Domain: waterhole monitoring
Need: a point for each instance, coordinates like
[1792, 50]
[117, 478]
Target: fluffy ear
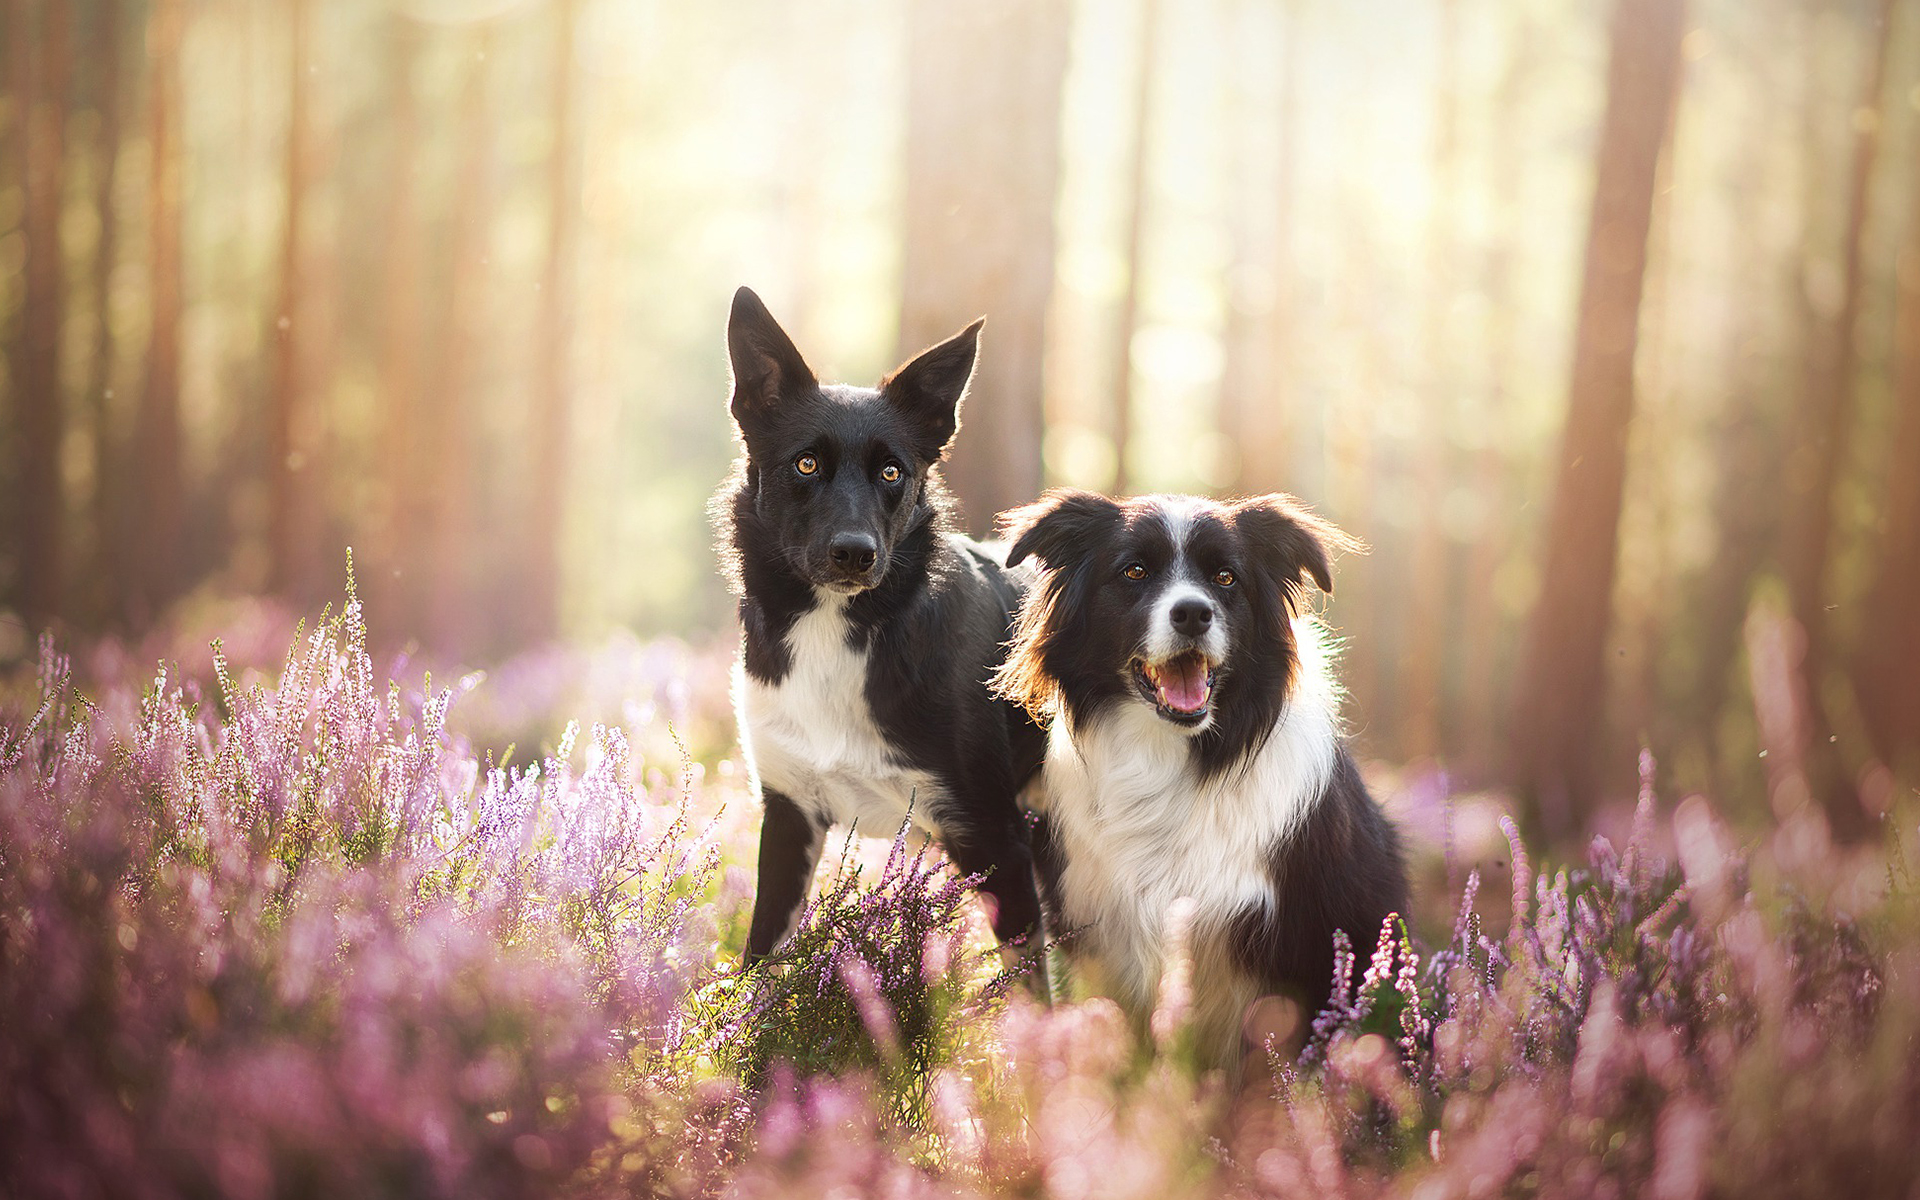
[766, 364]
[1291, 540]
[928, 388]
[1059, 528]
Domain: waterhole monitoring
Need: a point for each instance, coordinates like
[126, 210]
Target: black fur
[1086, 624]
[931, 609]
[789, 850]
[1086, 618]
[1341, 870]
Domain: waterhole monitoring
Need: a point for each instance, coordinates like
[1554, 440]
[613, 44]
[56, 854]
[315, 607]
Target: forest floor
[278, 920]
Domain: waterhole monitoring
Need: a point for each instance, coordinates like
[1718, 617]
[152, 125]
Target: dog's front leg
[1049, 862]
[790, 845]
[1005, 858]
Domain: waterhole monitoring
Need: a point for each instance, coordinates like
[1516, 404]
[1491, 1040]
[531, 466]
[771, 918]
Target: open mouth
[1180, 687]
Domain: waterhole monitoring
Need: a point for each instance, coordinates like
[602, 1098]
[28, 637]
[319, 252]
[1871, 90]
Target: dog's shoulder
[990, 555]
[1344, 845]
[987, 563]
[956, 604]
[1340, 868]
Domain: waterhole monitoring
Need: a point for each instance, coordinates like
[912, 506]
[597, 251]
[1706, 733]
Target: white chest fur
[1141, 830]
[812, 736]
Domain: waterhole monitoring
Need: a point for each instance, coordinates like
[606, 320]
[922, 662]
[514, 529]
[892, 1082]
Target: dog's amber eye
[890, 473]
[1134, 571]
[806, 464]
[1223, 578]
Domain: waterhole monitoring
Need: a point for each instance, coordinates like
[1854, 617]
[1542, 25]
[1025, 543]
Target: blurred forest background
[1600, 322]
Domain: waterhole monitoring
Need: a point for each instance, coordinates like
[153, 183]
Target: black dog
[1196, 750]
[871, 630]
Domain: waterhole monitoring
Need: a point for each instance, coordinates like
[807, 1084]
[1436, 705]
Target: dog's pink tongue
[1184, 684]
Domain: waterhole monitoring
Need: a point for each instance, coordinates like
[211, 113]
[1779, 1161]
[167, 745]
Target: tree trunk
[402, 328]
[1481, 697]
[1823, 428]
[1428, 575]
[1243, 362]
[1259, 341]
[1885, 672]
[553, 410]
[107, 508]
[156, 533]
[1643, 618]
[290, 526]
[1558, 702]
[449, 402]
[1747, 437]
[1354, 469]
[1139, 179]
[983, 155]
[15, 45]
[41, 88]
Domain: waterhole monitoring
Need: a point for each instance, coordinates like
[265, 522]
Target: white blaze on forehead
[1178, 514]
[1182, 583]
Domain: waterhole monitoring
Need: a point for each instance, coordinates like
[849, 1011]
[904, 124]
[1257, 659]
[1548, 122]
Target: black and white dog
[871, 631]
[1196, 750]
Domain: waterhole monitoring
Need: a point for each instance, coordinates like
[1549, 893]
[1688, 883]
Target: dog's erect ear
[929, 387]
[1060, 528]
[766, 365]
[1291, 540]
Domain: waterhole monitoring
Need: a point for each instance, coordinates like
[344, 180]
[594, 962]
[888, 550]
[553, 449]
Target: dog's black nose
[853, 552]
[1191, 617]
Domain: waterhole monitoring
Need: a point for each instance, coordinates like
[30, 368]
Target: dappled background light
[445, 281]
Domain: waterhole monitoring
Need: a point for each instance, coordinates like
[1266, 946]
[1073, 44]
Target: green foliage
[876, 980]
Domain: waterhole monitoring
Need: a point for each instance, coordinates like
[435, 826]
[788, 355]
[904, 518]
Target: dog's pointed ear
[928, 388]
[1060, 528]
[1292, 541]
[766, 364]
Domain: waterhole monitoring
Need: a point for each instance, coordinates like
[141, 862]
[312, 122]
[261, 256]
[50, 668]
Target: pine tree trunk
[155, 544]
[983, 153]
[290, 527]
[553, 408]
[1243, 362]
[1481, 696]
[1429, 576]
[1558, 703]
[1822, 431]
[1643, 620]
[41, 88]
[15, 59]
[1887, 670]
[402, 329]
[1747, 438]
[450, 401]
[1139, 180]
[107, 507]
[1259, 340]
